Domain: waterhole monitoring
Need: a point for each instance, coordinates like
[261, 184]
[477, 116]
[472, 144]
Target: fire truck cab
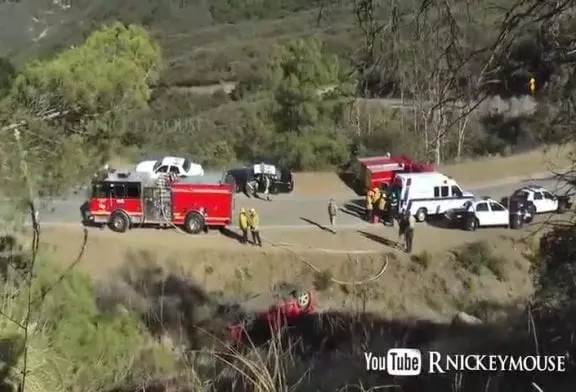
[125, 200]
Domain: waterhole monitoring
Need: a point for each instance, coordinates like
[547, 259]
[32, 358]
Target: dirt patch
[429, 284]
[470, 173]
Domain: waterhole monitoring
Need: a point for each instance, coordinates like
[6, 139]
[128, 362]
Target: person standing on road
[332, 211]
[376, 194]
[393, 209]
[254, 224]
[382, 206]
[409, 225]
[266, 180]
[375, 204]
[243, 223]
[369, 205]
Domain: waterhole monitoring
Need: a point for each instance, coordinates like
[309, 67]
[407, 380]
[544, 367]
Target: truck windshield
[99, 190]
[186, 165]
[156, 165]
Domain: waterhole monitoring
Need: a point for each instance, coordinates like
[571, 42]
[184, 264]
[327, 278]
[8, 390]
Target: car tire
[473, 224]
[194, 223]
[421, 214]
[119, 222]
[304, 299]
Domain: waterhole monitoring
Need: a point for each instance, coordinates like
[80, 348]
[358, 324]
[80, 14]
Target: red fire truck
[380, 171]
[125, 200]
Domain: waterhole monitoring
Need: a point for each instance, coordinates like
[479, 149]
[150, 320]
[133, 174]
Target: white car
[539, 200]
[180, 166]
[487, 213]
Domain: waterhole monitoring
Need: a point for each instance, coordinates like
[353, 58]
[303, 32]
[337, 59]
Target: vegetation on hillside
[440, 58]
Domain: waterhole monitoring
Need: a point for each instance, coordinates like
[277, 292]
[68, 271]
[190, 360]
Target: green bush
[479, 255]
[72, 344]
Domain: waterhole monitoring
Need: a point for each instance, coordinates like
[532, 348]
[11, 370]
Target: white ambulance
[429, 194]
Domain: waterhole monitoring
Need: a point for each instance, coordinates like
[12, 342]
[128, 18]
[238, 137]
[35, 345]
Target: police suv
[539, 200]
[281, 178]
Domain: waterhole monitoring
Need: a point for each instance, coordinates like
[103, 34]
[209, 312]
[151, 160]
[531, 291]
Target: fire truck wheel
[194, 223]
[119, 222]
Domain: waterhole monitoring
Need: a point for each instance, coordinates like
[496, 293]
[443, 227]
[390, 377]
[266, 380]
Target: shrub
[323, 280]
[478, 255]
[72, 344]
[424, 259]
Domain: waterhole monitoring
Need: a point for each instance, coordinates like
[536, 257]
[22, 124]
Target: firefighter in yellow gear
[377, 194]
[254, 225]
[382, 205]
[376, 202]
[369, 205]
[532, 85]
[243, 223]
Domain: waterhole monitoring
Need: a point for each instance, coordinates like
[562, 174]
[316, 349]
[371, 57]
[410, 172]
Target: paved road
[285, 211]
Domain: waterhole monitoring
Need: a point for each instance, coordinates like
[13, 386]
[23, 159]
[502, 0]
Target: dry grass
[469, 173]
[425, 285]
[488, 170]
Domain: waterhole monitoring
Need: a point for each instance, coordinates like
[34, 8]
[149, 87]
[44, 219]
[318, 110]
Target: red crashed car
[258, 318]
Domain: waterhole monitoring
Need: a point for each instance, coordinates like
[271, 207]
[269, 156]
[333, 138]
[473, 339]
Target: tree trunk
[461, 135]
[438, 148]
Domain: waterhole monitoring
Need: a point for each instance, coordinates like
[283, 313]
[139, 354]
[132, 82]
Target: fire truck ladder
[164, 202]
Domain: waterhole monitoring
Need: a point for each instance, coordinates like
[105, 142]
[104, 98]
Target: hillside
[203, 43]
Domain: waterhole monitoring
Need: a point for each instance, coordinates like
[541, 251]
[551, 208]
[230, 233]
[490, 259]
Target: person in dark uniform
[392, 207]
[470, 216]
[406, 225]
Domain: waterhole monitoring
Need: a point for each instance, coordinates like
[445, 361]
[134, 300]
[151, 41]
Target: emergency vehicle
[481, 213]
[281, 178]
[539, 200]
[125, 200]
[429, 194]
[178, 166]
[380, 171]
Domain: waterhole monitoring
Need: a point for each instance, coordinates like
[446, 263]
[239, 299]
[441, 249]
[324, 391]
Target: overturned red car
[256, 320]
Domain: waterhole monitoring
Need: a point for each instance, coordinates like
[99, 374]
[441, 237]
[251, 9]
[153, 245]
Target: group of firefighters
[381, 206]
[384, 206]
[249, 221]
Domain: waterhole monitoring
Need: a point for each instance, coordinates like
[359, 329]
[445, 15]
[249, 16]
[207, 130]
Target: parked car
[539, 200]
[484, 213]
[282, 180]
[182, 167]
